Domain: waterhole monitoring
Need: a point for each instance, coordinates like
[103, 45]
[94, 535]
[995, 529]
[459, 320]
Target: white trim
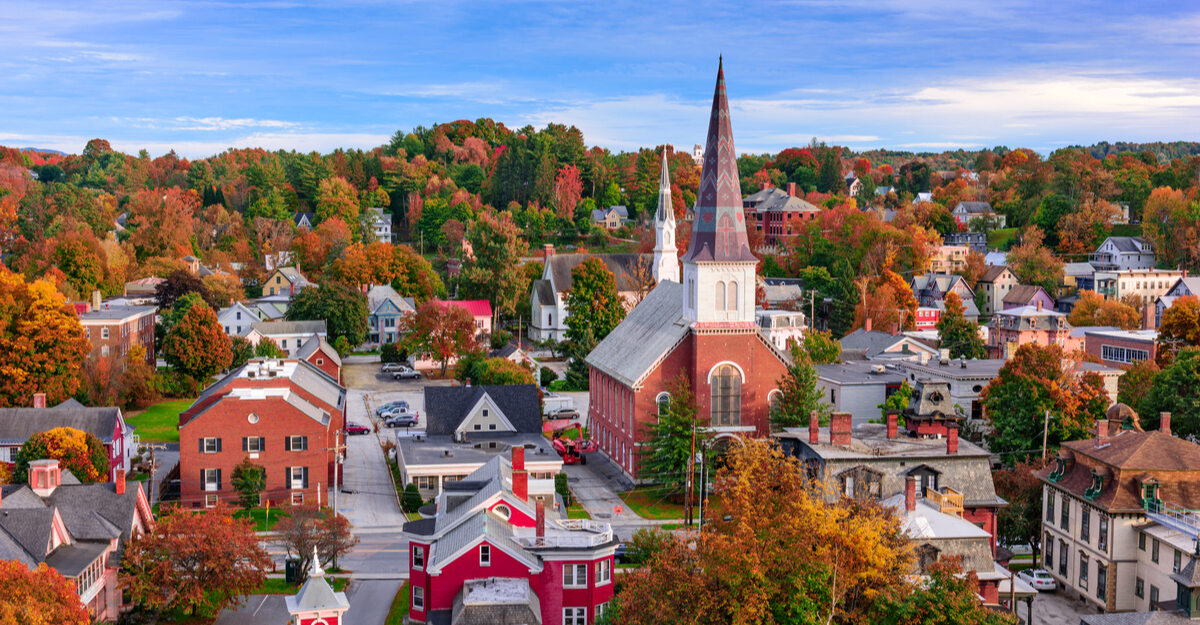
[771, 392]
[492, 403]
[726, 362]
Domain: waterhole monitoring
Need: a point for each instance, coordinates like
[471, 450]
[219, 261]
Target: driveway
[1056, 608]
[369, 604]
[596, 485]
[368, 498]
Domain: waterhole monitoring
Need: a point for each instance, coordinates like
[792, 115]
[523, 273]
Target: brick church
[701, 326]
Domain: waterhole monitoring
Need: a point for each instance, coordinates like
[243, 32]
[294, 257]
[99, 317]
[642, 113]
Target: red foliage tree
[38, 597]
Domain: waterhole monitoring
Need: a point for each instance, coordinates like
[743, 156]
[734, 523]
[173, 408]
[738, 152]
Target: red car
[354, 428]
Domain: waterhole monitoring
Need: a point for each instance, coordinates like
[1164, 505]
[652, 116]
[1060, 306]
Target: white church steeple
[666, 259]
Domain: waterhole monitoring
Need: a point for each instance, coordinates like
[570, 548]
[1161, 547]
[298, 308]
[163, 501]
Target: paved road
[596, 485]
[1056, 608]
[369, 604]
[368, 498]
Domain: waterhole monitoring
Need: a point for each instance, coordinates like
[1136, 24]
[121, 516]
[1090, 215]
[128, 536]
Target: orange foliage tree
[1093, 310]
[197, 345]
[77, 451]
[886, 300]
[42, 344]
[1180, 328]
[38, 597]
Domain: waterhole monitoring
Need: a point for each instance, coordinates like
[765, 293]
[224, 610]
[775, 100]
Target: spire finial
[316, 570]
[664, 181]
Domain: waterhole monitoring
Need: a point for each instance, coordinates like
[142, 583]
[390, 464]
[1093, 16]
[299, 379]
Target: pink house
[490, 554]
[1009, 329]
[480, 309]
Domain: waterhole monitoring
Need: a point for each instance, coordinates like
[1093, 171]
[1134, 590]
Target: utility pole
[1045, 433]
[337, 463]
[691, 467]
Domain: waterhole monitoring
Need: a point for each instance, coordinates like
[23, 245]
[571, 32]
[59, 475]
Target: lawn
[576, 511]
[278, 586]
[259, 515]
[1002, 238]
[159, 423]
[649, 503]
[399, 607]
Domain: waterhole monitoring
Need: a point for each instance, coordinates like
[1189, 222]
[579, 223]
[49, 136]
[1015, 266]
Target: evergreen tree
[798, 395]
[669, 445]
[1175, 390]
[593, 301]
[248, 480]
[956, 333]
[577, 369]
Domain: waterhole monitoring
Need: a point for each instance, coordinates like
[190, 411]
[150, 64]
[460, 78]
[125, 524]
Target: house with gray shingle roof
[386, 310]
[107, 424]
[610, 218]
[287, 335]
[1124, 253]
[966, 212]
[548, 298]
[286, 281]
[238, 319]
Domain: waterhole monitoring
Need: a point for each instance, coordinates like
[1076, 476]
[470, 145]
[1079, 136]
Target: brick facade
[114, 331]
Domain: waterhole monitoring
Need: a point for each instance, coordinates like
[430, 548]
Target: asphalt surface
[370, 601]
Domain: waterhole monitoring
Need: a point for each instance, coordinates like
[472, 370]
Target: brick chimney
[1101, 432]
[893, 425]
[96, 299]
[791, 189]
[952, 440]
[839, 429]
[910, 493]
[895, 328]
[1039, 305]
[541, 519]
[1148, 316]
[120, 481]
[765, 184]
[1164, 422]
[39, 400]
[547, 251]
[867, 324]
[814, 428]
[520, 477]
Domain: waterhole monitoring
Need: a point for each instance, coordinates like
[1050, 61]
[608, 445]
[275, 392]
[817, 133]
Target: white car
[1039, 579]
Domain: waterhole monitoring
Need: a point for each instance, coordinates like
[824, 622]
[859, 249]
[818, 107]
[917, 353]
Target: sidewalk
[596, 485]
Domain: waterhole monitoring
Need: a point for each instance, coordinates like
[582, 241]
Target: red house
[284, 415]
[17, 425]
[317, 352]
[702, 329]
[491, 555]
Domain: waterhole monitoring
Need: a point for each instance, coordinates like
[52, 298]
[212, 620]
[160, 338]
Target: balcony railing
[949, 501]
[571, 533]
[1177, 518]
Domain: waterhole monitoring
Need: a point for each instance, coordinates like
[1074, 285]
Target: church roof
[719, 228]
[644, 337]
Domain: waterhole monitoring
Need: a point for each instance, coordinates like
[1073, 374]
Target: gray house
[386, 309]
[1123, 253]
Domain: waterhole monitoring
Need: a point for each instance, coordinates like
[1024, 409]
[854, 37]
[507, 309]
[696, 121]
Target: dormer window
[1097, 486]
[1060, 467]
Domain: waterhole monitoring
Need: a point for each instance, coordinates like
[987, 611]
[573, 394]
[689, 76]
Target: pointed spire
[664, 180]
[316, 570]
[719, 229]
[665, 210]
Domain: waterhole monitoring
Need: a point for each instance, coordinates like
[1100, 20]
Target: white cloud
[300, 141]
[203, 123]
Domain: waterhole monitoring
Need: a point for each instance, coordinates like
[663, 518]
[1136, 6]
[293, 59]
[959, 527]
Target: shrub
[393, 352]
[547, 376]
[500, 338]
[646, 542]
[560, 487]
[411, 500]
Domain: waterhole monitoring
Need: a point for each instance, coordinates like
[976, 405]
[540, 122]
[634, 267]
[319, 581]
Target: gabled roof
[236, 306]
[477, 307]
[874, 343]
[447, 407]
[293, 275]
[1132, 245]
[18, 424]
[994, 273]
[317, 343]
[1024, 294]
[945, 282]
[644, 336]
[276, 328]
[381, 294]
[778, 200]
[623, 266]
[974, 208]
[544, 292]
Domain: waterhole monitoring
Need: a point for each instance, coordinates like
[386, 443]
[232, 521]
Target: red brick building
[1121, 348]
[113, 330]
[284, 415]
[703, 329]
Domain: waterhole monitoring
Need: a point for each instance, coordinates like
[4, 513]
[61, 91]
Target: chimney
[1148, 316]
[1101, 432]
[547, 251]
[39, 400]
[520, 477]
[910, 493]
[893, 424]
[895, 328]
[791, 188]
[867, 324]
[120, 481]
[518, 458]
[765, 184]
[541, 519]
[814, 428]
[1164, 422]
[96, 299]
[839, 429]
[1039, 305]
[951, 441]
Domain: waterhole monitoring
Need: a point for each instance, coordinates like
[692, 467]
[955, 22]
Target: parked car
[1039, 579]
[406, 374]
[404, 420]
[389, 367]
[354, 428]
[392, 405]
[563, 413]
[620, 556]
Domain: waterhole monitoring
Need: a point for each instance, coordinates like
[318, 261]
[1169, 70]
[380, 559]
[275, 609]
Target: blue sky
[201, 76]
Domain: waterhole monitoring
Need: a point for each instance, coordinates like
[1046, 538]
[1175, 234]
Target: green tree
[897, 401]
[943, 596]
[242, 351]
[342, 307]
[798, 395]
[411, 499]
[337, 198]
[197, 345]
[822, 348]
[578, 378]
[1020, 522]
[669, 442]
[1136, 384]
[956, 333]
[495, 272]
[173, 314]
[1176, 390]
[249, 480]
[593, 302]
[267, 348]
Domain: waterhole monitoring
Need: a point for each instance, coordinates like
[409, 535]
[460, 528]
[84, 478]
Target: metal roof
[647, 334]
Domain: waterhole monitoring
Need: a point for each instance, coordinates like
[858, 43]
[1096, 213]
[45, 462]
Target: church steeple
[719, 268]
[666, 260]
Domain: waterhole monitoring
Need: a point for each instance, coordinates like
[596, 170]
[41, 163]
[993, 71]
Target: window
[485, 555]
[1065, 521]
[103, 350]
[103, 333]
[239, 315]
[601, 608]
[253, 444]
[720, 291]
[211, 478]
[575, 575]
[732, 298]
[1050, 508]
[1154, 551]
[210, 501]
[1101, 580]
[491, 426]
[320, 361]
[418, 557]
[1062, 558]
[1175, 564]
[418, 598]
[210, 445]
[1048, 556]
[297, 478]
[295, 443]
[1113, 353]
[1142, 542]
[1085, 526]
[603, 572]
[1102, 539]
[1153, 594]
[503, 511]
[485, 412]
[283, 344]
[1083, 570]
[574, 616]
[664, 403]
[726, 396]
[1139, 588]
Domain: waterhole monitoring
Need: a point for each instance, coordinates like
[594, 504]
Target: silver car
[1039, 579]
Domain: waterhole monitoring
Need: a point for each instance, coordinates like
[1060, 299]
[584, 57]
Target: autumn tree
[197, 562]
[943, 596]
[495, 272]
[1036, 380]
[1175, 391]
[42, 343]
[1180, 328]
[956, 333]
[799, 396]
[138, 380]
[309, 527]
[1093, 310]
[1020, 522]
[1135, 385]
[1172, 222]
[41, 596]
[342, 307]
[477, 368]
[222, 289]
[1034, 263]
[77, 451]
[444, 330]
[568, 188]
[337, 198]
[887, 299]
[593, 301]
[669, 440]
[1080, 230]
[176, 285]
[197, 345]
[821, 347]
[163, 221]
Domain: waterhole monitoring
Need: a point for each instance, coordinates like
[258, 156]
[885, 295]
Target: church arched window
[664, 403]
[720, 288]
[726, 383]
[732, 301]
